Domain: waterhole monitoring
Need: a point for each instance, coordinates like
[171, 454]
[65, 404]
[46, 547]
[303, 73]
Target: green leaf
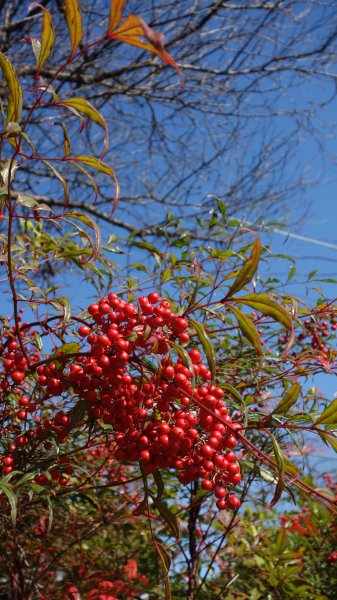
[61, 180]
[206, 344]
[166, 563]
[279, 458]
[101, 167]
[74, 23]
[81, 105]
[63, 305]
[43, 50]
[281, 540]
[264, 304]
[77, 413]
[169, 518]
[90, 223]
[329, 415]
[248, 328]
[248, 270]
[8, 491]
[69, 348]
[289, 399]
[15, 96]
[159, 483]
[26, 200]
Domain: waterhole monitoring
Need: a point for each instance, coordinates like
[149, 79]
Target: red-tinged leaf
[289, 399]
[329, 415]
[101, 167]
[61, 180]
[74, 23]
[280, 464]
[81, 105]
[135, 28]
[166, 563]
[316, 358]
[264, 304]
[206, 344]
[248, 329]
[248, 270]
[116, 10]
[169, 517]
[47, 36]
[89, 223]
[330, 439]
[66, 140]
[91, 179]
[14, 96]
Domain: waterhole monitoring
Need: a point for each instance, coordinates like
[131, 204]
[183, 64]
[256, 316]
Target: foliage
[163, 404]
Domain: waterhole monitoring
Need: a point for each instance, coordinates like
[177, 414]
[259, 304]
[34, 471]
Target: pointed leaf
[69, 348]
[61, 180]
[248, 328]
[289, 399]
[89, 223]
[133, 29]
[166, 563]
[14, 97]
[206, 344]
[329, 415]
[74, 23]
[8, 491]
[116, 9]
[265, 305]
[248, 270]
[101, 167]
[159, 483]
[169, 517]
[82, 105]
[43, 51]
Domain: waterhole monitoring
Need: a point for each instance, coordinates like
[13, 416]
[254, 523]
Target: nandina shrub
[163, 403]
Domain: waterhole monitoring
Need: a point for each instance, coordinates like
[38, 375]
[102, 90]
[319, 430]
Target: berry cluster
[315, 331]
[332, 559]
[158, 399]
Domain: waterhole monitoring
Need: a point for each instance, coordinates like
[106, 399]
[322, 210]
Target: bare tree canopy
[260, 81]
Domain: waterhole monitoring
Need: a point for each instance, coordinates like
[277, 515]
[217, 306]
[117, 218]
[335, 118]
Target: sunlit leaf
[133, 29]
[81, 105]
[47, 36]
[69, 348]
[61, 180]
[206, 344]
[248, 328]
[89, 223]
[74, 23]
[101, 167]
[14, 96]
[248, 270]
[289, 399]
[116, 9]
[264, 304]
[329, 415]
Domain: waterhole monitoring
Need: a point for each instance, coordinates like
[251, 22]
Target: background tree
[257, 104]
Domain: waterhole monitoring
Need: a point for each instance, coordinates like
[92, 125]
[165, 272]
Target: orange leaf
[116, 9]
[135, 27]
[47, 35]
[74, 23]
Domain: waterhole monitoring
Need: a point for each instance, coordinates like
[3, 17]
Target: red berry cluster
[162, 408]
[332, 559]
[315, 331]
